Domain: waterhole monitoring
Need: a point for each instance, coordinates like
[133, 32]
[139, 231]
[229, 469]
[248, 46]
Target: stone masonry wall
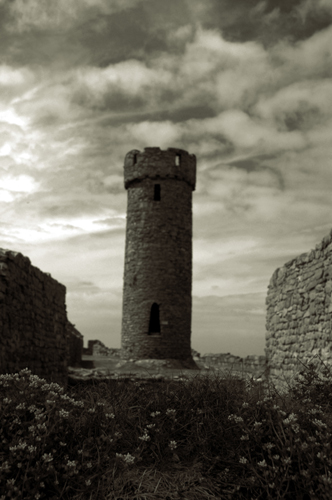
[75, 345]
[299, 312]
[33, 320]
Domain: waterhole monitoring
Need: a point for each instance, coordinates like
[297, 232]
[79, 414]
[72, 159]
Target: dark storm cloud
[140, 31]
[82, 31]
[304, 116]
[115, 99]
[109, 39]
[99, 33]
[267, 21]
[87, 32]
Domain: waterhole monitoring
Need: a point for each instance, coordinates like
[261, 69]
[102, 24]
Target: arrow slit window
[156, 192]
[154, 324]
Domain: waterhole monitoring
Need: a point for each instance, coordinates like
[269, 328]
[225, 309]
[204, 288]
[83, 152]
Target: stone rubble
[85, 375]
[253, 364]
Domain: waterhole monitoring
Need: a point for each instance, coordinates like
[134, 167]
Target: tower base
[178, 364]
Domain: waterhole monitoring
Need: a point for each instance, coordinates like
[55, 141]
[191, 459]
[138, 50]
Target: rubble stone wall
[299, 312]
[97, 348]
[33, 320]
[253, 365]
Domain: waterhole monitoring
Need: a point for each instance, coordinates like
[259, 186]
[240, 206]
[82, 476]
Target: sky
[245, 85]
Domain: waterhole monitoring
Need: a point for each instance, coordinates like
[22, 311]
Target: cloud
[67, 34]
[266, 21]
[163, 133]
[14, 78]
[71, 114]
[311, 8]
[249, 133]
[59, 14]
[49, 107]
[205, 72]
[129, 84]
[303, 105]
[231, 130]
[22, 183]
[307, 59]
[210, 70]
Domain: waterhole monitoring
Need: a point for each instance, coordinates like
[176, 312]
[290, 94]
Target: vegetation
[206, 438]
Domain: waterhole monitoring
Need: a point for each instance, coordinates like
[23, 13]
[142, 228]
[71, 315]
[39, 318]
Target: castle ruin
[156, 319]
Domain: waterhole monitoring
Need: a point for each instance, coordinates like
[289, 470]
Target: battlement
[155, 163]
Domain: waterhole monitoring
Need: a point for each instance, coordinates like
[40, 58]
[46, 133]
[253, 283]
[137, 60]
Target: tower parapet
[155, 163]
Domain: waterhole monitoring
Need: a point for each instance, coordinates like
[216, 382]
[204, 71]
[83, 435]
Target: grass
[205, 438]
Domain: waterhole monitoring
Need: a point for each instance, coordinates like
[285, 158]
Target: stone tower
[156, 316]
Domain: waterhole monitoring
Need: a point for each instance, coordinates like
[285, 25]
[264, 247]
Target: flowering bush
[202, 439]
[46, 439]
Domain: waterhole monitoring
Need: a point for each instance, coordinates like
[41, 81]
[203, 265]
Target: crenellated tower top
[155, 163]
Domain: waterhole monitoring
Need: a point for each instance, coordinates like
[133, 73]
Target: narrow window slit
[177, 159]
[156, 192]
[154, 324]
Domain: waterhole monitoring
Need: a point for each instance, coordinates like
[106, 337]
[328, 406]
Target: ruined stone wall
[33, 320]
[75, 345]
[98, 348]
[299, 312]
[252, 365]
[158, 254]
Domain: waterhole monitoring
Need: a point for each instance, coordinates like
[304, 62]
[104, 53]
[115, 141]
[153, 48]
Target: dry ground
[110, 364]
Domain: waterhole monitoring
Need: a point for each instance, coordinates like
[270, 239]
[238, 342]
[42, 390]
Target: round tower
[156, 316]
